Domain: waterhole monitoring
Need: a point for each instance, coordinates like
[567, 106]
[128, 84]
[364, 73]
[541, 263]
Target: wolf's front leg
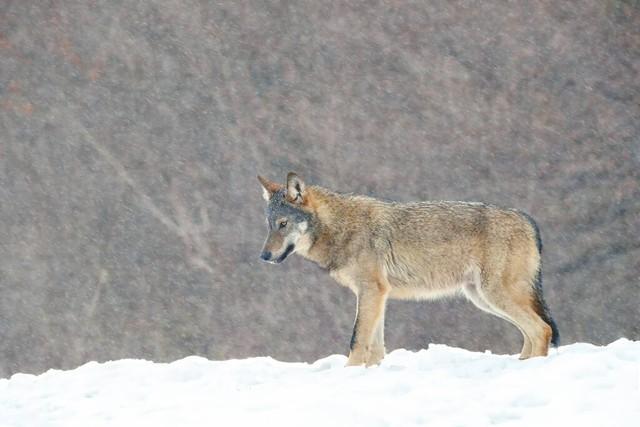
[377, 347]
[371, 305]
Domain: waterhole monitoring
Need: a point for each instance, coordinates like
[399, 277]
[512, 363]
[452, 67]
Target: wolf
[419, 250]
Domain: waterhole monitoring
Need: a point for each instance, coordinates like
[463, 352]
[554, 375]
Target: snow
[579, 384]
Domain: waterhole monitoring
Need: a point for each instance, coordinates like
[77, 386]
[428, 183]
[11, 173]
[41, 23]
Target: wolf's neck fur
[338, 222]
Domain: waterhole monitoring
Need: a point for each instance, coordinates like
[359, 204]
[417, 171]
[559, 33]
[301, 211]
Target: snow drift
[579, 384]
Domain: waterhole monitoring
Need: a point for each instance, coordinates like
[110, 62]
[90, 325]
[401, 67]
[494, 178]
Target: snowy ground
[579, 384]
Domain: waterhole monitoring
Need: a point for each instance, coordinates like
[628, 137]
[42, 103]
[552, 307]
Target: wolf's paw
[357, 357]
[376, 354]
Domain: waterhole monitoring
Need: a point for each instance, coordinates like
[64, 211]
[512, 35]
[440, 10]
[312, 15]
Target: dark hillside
[131, 133]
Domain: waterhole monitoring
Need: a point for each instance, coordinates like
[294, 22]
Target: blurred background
[131, 133]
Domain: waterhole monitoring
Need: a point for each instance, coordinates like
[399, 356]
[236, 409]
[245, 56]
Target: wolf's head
[288, 220]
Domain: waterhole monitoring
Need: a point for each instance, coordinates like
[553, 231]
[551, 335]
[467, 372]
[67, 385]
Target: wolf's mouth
[286, 253]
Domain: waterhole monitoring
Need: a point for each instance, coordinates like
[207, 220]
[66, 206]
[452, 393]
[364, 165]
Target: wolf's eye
[282, 224]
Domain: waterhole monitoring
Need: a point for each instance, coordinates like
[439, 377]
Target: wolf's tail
[539, 303]
[543, 310]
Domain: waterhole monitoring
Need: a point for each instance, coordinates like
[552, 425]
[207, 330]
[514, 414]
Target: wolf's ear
[295, 188]
[268, 187]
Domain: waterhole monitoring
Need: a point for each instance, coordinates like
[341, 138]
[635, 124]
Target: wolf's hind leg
[517, 302]
[471, 292]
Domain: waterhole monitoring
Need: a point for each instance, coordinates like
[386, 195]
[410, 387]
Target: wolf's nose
[266, 256]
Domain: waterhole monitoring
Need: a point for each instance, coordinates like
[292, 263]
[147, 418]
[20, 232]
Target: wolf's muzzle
[265, 256]
[286, 253]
